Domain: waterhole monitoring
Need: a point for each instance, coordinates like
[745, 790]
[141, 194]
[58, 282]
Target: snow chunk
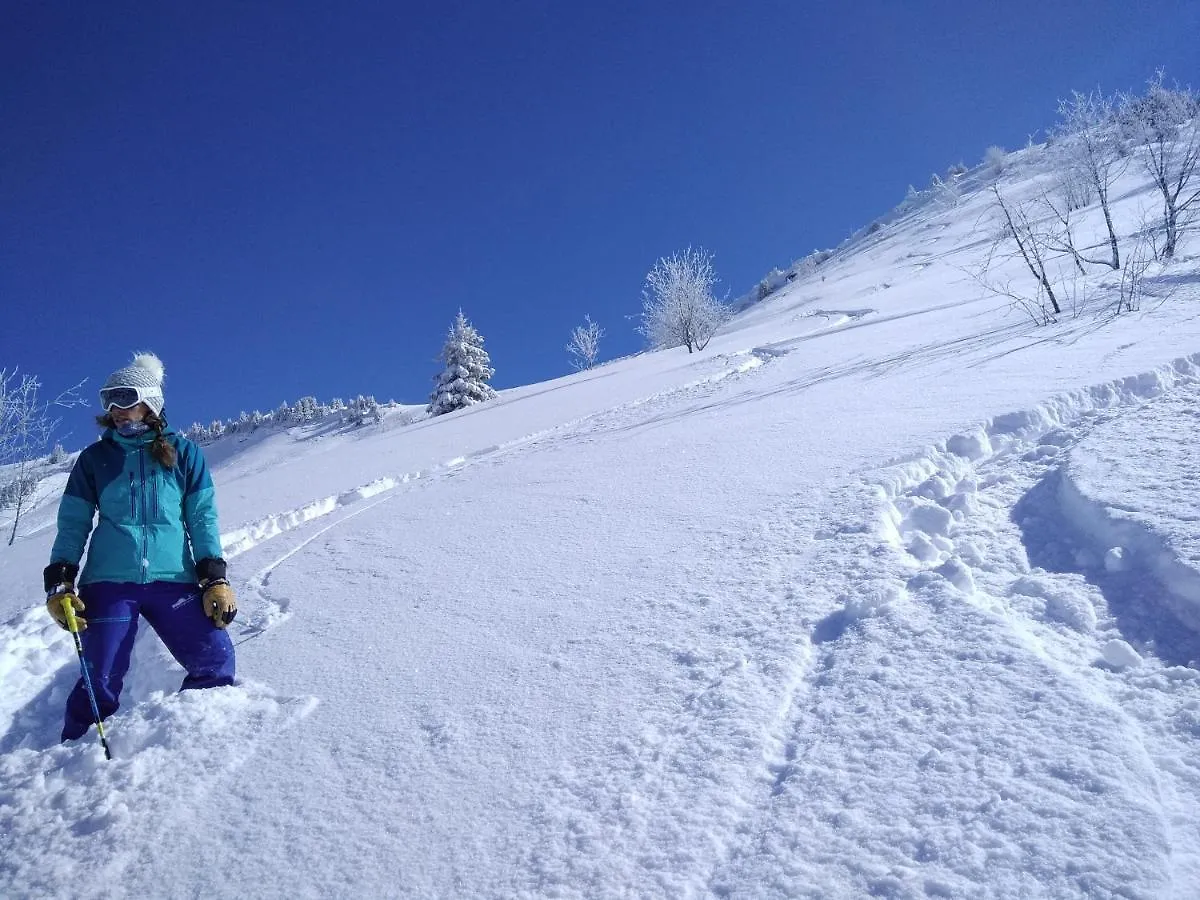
[872, 599]
[1067, 601]
[1073, 610]
[936, 487]
[1021, 423]
[973, 446]
[969, 552]
[1120, 655]
[930, 518]
[1056, 437]
[922, 548]
[942, 543]
[965, 505]
[1115, 560]
[958, 574]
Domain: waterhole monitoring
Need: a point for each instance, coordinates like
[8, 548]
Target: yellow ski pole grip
[69, 609]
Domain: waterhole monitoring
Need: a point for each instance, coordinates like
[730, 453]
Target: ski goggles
[121, 397]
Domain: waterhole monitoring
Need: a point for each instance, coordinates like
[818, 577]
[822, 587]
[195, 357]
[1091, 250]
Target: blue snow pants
[176, 614]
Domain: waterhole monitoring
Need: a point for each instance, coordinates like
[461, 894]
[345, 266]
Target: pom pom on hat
[151, 364]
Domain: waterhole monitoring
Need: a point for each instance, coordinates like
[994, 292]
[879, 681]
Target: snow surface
[828, 610]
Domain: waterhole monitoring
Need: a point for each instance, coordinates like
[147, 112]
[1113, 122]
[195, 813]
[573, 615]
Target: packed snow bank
[1131, 487]
[927, 493]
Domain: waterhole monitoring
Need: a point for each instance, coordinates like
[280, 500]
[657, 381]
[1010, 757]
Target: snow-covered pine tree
[363, 410]
[464, 380]
[307, 409]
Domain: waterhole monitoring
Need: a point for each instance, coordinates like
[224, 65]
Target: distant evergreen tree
[306, 410]
[464, 380]
[363, 410]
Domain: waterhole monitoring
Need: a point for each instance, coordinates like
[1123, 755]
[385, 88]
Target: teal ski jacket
[154, 522]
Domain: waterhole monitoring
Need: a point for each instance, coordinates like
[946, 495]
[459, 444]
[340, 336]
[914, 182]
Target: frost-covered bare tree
[1131, 288]
[1060, 238]
[945, 192]
[1089, 149]
[26, 425]
[1074, 188]
[1163, 122]
[1029, 243]
[584, 347]
[678, 306]
[995, 159]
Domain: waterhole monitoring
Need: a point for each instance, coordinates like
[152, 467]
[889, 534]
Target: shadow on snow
[1135, 598]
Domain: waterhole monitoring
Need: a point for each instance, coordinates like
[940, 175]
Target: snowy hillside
[889, 592]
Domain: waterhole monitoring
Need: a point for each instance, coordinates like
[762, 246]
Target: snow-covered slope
[831, 609]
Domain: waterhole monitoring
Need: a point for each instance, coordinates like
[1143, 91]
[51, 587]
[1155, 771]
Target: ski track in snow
[270, 609]
[253, 534]
[931, 548]
[954, 525]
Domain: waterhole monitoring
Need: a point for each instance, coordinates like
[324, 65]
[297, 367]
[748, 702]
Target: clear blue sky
[295, 198]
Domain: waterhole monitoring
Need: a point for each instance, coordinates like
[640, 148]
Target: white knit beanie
[145, 373]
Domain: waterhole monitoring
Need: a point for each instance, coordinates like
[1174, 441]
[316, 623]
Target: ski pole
[73, 627]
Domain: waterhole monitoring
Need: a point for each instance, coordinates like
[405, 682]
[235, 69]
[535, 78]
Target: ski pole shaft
[73, 627]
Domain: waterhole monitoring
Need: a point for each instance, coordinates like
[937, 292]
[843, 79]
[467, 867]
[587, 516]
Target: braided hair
[160, 448]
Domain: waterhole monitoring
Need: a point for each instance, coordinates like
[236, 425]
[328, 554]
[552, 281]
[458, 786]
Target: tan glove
[54, 604]
[59, 579]
[220, 604]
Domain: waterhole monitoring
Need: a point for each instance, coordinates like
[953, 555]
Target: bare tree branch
[1029, 247]
[584, 346]
[1090, 149]
[1159, 121]
[26, 426]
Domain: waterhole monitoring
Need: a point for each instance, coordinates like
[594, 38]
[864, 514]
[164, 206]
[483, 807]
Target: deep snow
[889, 592]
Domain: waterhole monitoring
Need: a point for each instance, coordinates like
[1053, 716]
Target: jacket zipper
[132, 500]
[145, 520]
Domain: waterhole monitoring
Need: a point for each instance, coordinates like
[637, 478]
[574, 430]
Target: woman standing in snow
[155, 551]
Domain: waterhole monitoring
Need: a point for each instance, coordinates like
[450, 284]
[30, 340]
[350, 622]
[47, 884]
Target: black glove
[59, 573]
